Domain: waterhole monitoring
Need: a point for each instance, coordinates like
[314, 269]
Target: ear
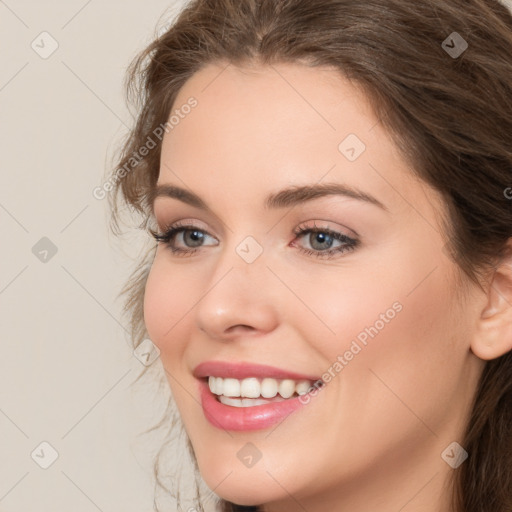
[493, 335]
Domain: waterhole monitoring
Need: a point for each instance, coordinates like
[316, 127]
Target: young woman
[330, 187]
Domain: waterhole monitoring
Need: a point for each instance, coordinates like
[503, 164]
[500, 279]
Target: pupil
[196, 237]
[322, 238]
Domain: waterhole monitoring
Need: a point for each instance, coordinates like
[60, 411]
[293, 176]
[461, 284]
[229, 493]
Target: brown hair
[450, 116]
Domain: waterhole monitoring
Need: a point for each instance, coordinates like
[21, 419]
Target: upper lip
[242, 370]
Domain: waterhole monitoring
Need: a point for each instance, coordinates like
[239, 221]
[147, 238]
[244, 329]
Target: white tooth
[251, 402]
[234, 402]
[231, 387]
[302, 387]
[241, 402]
[219, 385]
[250, 388]
[287, 388]
[259, 401]
[269, 388]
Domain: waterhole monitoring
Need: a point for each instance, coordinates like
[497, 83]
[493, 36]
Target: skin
[372, 438]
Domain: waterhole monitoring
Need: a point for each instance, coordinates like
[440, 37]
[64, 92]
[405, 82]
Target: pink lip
[246, 418]
[245, 370]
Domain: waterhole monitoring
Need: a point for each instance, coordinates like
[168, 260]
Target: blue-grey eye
[196, 237]
[322, 238]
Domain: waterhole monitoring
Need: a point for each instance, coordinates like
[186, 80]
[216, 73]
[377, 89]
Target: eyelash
[175, 229]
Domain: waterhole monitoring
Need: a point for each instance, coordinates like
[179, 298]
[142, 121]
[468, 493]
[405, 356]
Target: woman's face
[367, 302]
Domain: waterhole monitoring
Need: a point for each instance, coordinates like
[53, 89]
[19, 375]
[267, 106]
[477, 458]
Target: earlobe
[493, 336]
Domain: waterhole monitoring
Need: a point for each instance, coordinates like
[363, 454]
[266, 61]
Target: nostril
[241, 327]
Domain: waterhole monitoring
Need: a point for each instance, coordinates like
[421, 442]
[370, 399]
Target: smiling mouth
[245, 398]
[254, 391]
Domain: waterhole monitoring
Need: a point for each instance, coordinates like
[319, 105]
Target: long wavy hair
[450, 117]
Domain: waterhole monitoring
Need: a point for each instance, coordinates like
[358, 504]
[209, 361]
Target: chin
[243, 487]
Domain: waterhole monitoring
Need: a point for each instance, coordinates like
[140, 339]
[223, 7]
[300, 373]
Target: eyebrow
[284, 198]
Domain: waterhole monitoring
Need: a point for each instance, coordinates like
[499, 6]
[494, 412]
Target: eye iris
[196, 237]
[321, 238]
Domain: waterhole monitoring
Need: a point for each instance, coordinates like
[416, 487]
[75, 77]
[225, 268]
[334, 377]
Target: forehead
[271, 103]
[259, 128]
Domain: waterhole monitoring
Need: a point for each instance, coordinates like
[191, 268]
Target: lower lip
[258, 417]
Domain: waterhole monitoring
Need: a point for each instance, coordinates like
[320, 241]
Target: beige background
[67, 367]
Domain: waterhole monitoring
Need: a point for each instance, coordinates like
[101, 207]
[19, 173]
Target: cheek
[167, 299]
[395, 302]
[393, 320]
[349, 309]
[401, 350]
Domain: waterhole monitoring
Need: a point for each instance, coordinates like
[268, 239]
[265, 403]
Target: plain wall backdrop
[66, 367]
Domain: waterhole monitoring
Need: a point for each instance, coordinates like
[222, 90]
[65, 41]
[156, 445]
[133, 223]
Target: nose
[239, 299]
